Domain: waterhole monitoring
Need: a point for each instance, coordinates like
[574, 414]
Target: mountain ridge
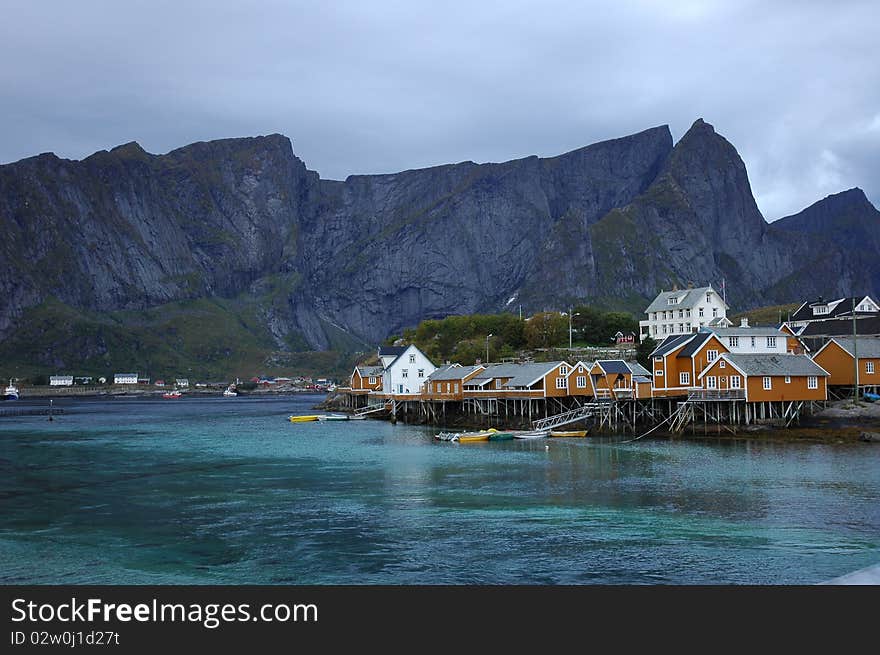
[320, 261]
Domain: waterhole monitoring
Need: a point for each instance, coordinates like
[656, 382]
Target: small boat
[172, 395]
[568, 433]
[471, 437]
[333, 417]
[305, 418]
[465, 437]
[870, 396]
[230, 391]
[531, 434]
[501, 436]
[356, 417]
[11, 392]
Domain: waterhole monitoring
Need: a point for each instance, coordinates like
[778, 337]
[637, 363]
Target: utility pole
[570, 315]
[855, 354]
[487, 347]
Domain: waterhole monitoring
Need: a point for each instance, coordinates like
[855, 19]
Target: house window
[711, 355]
[654, 329]
[404, 373]
[658, 359]
[581, 382]
[711, 382]
[455, 387]
[690, 328]
[672, 300]
[735, 382]
[560, 383]
[372, 379]
[687, 313]
[681, 313]
[421, 372]
[684, 378]
[869, 367]
[722, 364]
[659, 373]
[701, 312]
[812, 382]
[448, 386]
[753, 342]
[771, 342]
[664, 328]
[734, 342]
[708, 296]
[563, 370]
[714, 312]
[412, 359]
[768, 382]
[787, 379]
[580, 369]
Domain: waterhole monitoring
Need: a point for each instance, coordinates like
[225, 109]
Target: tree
[546, 329]
[644, 350]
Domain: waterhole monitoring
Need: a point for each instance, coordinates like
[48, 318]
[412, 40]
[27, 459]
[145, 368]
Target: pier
[701, 411]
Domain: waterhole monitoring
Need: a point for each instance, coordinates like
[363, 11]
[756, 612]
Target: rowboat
[568, 433]
[532, 434]
[333, 417]
[305, 419]
[501, 436]
[464, 437]
[172, 395]
[470, 437]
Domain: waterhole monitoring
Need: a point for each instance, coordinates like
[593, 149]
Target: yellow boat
[568, 433]
[304, 419]
[469, 437]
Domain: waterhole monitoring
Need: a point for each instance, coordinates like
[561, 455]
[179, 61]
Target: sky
[382, 86]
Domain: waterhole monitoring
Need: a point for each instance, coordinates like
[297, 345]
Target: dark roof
[842, 327]
[843, 307]
[695, 344]
[614, 366]
[391, 351]
[670, 343]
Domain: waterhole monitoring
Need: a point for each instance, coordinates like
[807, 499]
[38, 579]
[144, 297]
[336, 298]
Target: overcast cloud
[370, 87]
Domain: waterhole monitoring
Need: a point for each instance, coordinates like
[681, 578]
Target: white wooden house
[405, 373]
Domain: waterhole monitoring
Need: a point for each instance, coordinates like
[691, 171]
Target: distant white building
[406, 370]
[60, 380]
[181, 382]
[752, 340]
[125, 378]
[683, 311]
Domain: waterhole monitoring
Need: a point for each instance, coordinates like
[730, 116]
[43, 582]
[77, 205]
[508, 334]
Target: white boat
[531, 434]
[230, 391]
[333, 417]
[11, 392]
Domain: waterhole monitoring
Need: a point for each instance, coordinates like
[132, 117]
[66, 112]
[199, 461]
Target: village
[704, 371]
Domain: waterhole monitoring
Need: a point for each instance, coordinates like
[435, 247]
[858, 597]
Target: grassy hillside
[216, 339]
[771, 315]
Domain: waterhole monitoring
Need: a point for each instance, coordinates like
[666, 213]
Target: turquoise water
[226, 491]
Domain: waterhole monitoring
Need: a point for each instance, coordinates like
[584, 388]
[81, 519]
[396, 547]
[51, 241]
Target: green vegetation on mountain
[463, 339]
[205, 339]
[771, 315]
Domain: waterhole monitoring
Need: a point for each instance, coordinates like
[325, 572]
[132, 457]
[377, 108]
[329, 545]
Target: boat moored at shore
[11, 392]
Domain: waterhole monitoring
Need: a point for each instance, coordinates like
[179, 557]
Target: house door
[400, 388]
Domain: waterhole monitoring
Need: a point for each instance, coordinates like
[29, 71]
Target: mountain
[125, 254]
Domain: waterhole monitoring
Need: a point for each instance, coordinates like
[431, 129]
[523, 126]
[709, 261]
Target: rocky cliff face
[329, 264]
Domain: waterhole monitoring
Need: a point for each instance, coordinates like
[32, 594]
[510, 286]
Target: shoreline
[28, 393]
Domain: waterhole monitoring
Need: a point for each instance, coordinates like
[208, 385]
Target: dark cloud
[365, 87]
